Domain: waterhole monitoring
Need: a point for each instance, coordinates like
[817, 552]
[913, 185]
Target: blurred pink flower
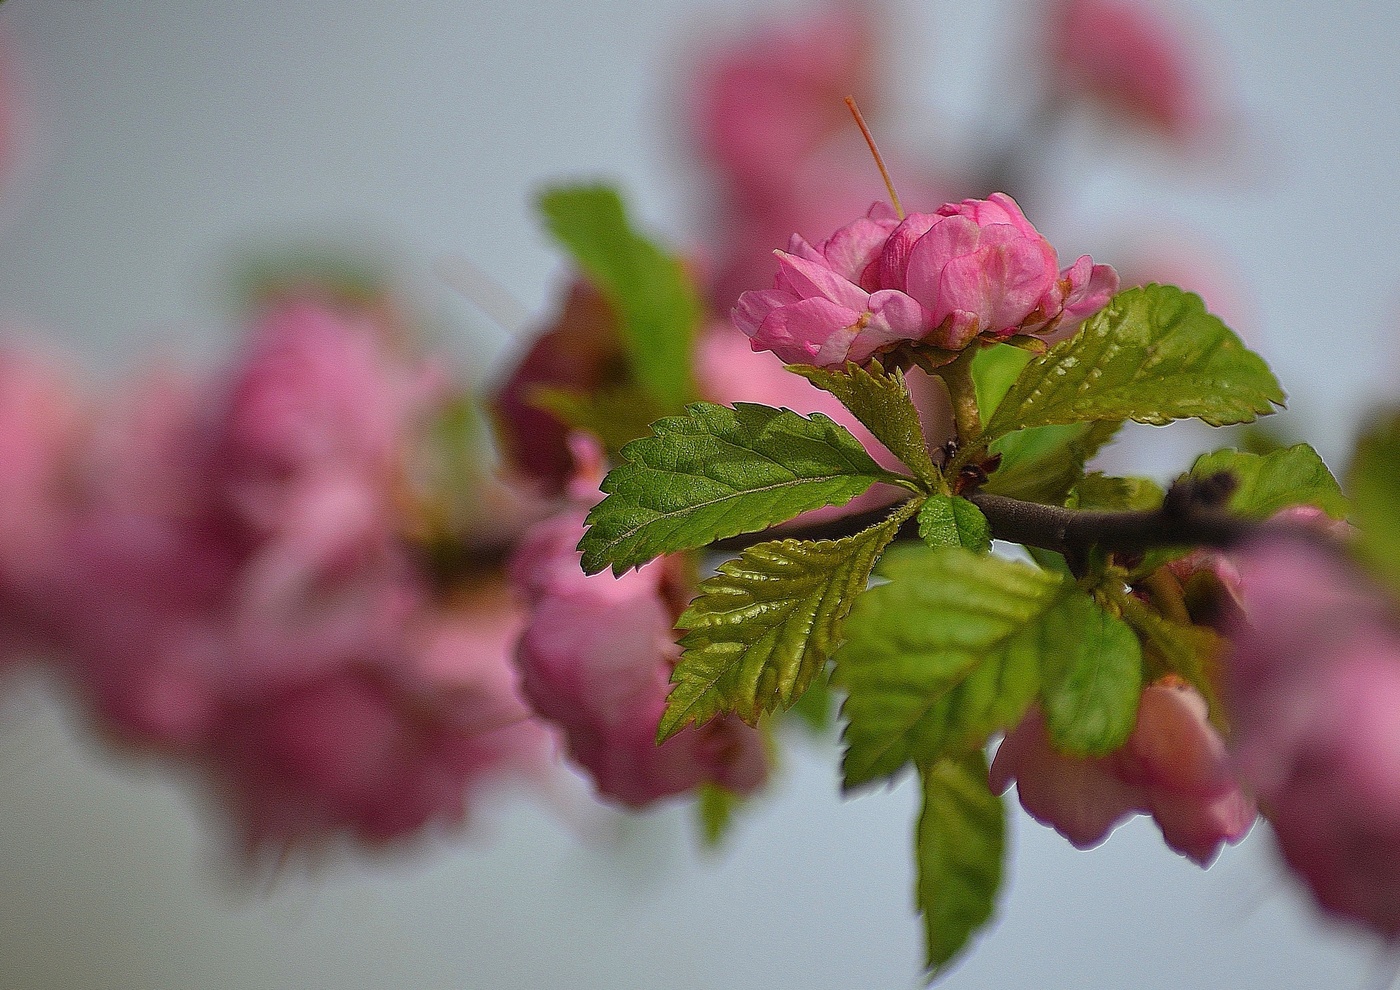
[1313, 693]
[596, 660]
[232, 585]
[759, 107]
[385, 745]
[1173, 767]
[1126, 55]
[577, 351]
[42, 427]
[319, 389]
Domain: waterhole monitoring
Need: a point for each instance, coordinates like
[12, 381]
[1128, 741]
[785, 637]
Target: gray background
[166, 133]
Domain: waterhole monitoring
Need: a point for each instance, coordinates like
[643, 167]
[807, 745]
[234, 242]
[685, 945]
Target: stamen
[880, 162]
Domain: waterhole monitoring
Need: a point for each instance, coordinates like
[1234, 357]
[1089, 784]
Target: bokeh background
[167, 138]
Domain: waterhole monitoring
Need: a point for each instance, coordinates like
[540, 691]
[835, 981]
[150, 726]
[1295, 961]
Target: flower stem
[957, 376]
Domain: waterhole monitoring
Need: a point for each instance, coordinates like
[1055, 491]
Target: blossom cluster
[221, 569]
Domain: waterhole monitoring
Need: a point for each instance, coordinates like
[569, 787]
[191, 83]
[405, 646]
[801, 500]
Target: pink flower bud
[1313, 693]
[596, 660]
[1173, 767]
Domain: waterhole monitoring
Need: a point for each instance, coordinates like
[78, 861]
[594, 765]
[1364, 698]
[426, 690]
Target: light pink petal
[813, 331]
[755, 305]
[812, 279]
[1090, 288]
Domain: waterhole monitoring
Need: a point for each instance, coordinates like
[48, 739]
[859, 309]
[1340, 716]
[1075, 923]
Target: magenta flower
[596, 660]
[1314, 689]
[1173, 767]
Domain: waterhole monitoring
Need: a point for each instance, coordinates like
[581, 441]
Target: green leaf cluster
[949, 645]
[956, 646]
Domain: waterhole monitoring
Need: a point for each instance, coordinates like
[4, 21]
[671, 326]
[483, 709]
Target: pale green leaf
[616, 415]
[655, 298]
[717, 472]
[959, 850]
[993, 370]
[1153, 355]
[1092, 676]
[881, 401]
[1044, 463]
[1374, 482]
[1099, 491]
[714, 812]
[1270, 482]
[952, 521]
[939, 658]
[764, 626]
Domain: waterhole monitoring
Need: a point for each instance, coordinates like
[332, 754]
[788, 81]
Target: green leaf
[1099, 491]
[1092, 674]
[882, 402]
[717, 472]
[1374, 482]
[1153, 355]
[1270, 482]
[615, 415]
[939, 658]
[993, 370]
[815, 709]
[959, 847]
[1044, 463]
[655, 298]
[1193, 653]
[764, 626]
[714, 811]
[952, 521]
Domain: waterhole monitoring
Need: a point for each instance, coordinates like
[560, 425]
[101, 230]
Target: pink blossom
[1313, 692]
[980, 267]
[827, 306]
[596, 660]
[972, 268]
[232, 586]
[42, 427]
[1173, 767]
[1124, 54]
